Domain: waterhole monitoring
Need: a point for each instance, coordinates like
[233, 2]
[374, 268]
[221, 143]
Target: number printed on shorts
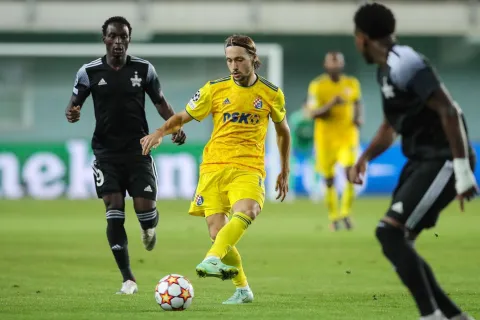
[98, 174]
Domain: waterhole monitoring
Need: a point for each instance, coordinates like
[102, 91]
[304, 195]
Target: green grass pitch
[55, 263]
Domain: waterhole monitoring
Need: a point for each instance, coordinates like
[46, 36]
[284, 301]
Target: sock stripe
[241, 217]
[141, 214]
[115, 214]
[148, 218]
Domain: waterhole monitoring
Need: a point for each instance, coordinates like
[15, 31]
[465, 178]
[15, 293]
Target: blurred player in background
[334, 101]
[118, 83]
[301, 126]
[232, 173]
[417, 106]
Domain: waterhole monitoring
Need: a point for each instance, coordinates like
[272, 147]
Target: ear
[103, 39]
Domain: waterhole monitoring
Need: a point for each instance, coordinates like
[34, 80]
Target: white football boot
[128, 287]
[240, 296]
[149, 238]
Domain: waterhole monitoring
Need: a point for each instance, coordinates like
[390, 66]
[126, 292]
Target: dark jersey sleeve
[152, 86]
[81, 87]
[416, 75]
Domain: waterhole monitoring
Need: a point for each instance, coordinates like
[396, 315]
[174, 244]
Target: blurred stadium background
[42, 45]
[42, 156]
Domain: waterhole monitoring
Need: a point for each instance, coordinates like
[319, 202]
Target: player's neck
[116, 62]
[335, 77]
[382, 49]
[248, 81]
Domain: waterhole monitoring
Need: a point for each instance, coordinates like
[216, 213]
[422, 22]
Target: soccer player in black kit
[118, 83]
[417, 107]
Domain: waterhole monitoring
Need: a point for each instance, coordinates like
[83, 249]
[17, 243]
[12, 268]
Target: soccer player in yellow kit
[232, 173]
[334, 101]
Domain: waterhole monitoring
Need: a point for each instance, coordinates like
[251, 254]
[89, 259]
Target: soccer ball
[174, 293]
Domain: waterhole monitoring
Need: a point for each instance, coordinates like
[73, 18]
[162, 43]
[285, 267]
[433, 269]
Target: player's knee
[329, 182]
[114, 201]
[249, 207]
[390, 237]
[252, 211]
[141, 205]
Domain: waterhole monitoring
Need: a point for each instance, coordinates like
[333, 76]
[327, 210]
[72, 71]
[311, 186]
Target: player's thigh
[326, 158]
[210, 197]
[143, 204]
[246, 192]
[142, 178]
[109, 178]
[424, 189]
[347, 155]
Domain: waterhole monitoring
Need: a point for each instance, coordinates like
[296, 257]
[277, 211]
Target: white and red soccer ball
[174, 293]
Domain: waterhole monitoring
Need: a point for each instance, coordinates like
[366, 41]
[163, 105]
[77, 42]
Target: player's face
[334, 64]
[117, 39]
[363, 46]
[239, 62]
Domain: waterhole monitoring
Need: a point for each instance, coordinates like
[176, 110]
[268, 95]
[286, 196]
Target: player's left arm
[154, 91]
[278, 115]
[357, 104]
[423, 81]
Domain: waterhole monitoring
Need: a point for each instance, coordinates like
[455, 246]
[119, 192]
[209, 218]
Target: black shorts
[137, 175]
[424, 189]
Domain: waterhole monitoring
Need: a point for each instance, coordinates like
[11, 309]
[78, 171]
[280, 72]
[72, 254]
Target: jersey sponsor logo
[243, 118]
[387, 89]
[102, 82]
[198, 200]
[196, 96]
[136, 81]
[257, 103]
[226, 101]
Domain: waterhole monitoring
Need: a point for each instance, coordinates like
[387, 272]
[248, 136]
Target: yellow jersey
[240, 121]
[341, 118]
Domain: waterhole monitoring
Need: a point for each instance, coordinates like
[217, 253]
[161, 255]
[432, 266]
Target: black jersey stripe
[220, 80]
[268, 84]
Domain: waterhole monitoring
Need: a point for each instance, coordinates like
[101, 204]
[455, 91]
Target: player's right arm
[198, 108]
[81, 91]
[316, 107]
[382, 140]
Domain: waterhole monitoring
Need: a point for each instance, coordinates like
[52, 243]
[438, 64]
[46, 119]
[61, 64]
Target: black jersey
[406, 83]
[119, 102]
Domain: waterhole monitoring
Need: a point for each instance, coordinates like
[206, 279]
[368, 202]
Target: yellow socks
[347, 200]
[331, 199]
[229, 235]
[233, 259]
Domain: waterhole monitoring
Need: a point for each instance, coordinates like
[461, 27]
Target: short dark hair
[116, 19]
[375, 20]
[247, 43]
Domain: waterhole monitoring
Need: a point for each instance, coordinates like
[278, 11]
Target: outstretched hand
[150, 142]
[282, 186]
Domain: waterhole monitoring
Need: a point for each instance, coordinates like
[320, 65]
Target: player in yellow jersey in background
[232, 173]
[334, 103]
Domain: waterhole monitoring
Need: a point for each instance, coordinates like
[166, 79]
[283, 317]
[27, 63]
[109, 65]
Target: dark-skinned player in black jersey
[118, 83]
[417, 107]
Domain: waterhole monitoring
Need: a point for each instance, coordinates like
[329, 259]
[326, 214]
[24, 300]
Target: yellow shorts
[328, 157]
[217, 191]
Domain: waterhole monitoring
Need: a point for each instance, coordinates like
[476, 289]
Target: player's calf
[407, 265]
[117, 239]
[148, 221]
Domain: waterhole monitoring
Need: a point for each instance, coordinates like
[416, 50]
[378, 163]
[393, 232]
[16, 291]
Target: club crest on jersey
[198, 200]
[257, 103]
[136, 81]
